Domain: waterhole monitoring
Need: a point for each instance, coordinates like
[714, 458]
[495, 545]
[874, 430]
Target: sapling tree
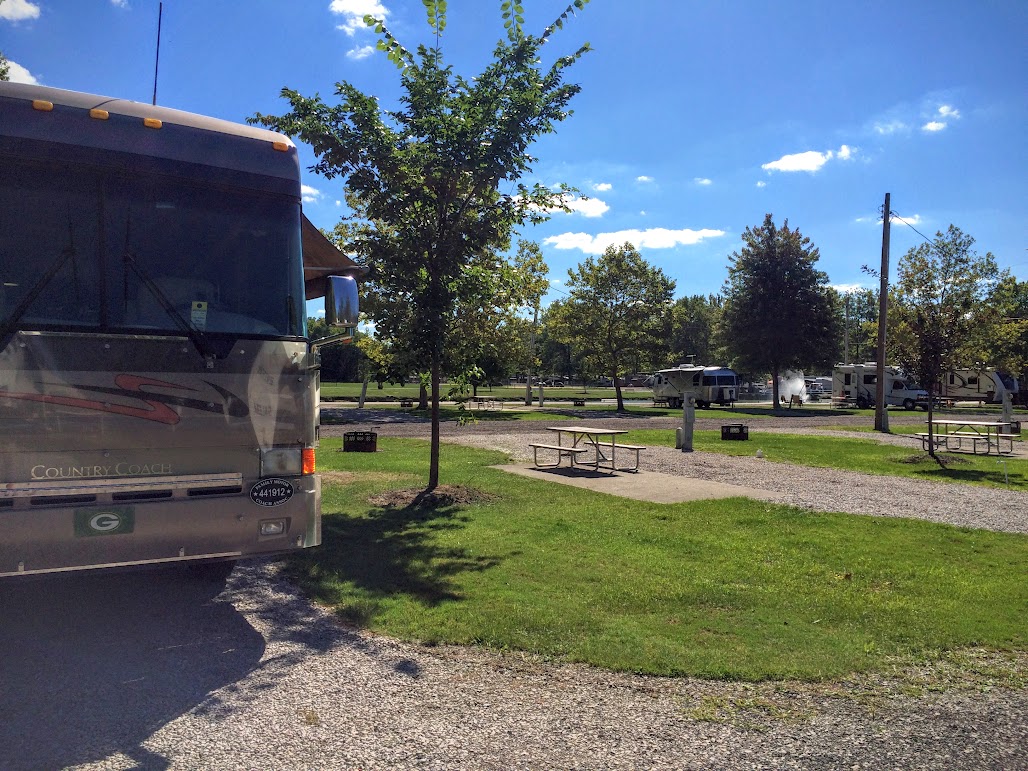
[940, 316]
[438, 179]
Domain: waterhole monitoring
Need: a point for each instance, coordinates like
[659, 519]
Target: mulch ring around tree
[444, 496]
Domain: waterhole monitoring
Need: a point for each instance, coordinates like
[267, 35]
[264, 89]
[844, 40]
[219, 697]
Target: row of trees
[949, 307]
[434, 192]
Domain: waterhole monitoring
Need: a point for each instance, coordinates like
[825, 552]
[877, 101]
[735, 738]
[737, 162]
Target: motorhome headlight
[272, 527]
[281, 461]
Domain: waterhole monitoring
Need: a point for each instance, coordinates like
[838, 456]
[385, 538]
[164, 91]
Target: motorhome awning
[320, 259]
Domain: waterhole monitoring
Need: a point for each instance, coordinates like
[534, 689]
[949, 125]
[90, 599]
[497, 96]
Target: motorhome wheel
[909, 404]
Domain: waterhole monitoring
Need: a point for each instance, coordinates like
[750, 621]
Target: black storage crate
[360, 441]
[736, 431]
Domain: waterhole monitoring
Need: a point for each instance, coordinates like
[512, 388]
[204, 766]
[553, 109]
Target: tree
[859, 310]
[693, 322]
[428, 175]
[941, 317]
[779, 312]
[5, 68]
[1008, 346]
[614, 312]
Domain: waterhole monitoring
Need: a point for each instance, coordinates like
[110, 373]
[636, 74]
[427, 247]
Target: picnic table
[587, 446]
[961, 435]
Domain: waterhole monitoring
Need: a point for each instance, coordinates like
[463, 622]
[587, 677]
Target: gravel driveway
[123, 671]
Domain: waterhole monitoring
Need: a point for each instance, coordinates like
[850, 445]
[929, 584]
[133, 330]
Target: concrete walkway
[640, 485]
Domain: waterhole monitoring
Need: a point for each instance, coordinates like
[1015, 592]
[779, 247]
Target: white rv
[978, 385]
[707, 385]
[857, 384]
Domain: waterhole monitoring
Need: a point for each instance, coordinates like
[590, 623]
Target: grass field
[866, 456]
[719, 589]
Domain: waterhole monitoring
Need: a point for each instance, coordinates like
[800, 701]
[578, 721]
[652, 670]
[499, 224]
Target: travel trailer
[707, 385]
[857, 384]
[981, 385]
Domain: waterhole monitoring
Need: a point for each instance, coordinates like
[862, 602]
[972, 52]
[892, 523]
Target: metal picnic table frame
[954, 433]
[600, 444]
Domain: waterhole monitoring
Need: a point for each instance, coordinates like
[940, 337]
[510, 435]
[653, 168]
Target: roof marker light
[42, 105]
[281, 146]
[154, 123]
[99, 114]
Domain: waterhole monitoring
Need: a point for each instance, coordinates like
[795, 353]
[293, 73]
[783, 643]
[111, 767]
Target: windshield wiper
[196, 337]
[10, 325]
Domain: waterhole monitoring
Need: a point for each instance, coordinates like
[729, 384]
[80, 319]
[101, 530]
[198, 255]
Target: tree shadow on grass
[390, 551]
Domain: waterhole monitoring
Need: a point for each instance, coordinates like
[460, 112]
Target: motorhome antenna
[157, 59]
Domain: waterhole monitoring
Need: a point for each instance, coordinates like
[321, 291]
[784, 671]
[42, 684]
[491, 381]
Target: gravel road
[126, 671]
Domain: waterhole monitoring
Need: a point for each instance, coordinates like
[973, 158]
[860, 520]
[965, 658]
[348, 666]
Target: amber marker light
[154, 123]
[308, 460]
[281, 146]
[42, 105]
[99, 114]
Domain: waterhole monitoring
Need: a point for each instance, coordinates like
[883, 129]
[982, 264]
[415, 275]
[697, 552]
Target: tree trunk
[433, 465]
[931, 438]
[422, 397]
[617, 390]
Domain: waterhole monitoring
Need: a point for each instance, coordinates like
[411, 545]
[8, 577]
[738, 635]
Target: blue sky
[695, 118]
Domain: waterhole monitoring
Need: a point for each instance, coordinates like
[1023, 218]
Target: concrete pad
[639, 485]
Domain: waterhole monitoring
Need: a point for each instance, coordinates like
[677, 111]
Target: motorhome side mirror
[341, 301]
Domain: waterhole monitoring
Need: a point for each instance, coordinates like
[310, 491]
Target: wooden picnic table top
[955, 422]
[587, 430]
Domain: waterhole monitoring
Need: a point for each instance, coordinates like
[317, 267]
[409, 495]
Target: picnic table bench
[406, 404]
[562, 452]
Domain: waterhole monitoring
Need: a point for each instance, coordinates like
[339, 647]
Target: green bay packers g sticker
[107, 520]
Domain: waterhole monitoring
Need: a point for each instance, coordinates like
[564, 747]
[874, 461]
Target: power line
[926, 238]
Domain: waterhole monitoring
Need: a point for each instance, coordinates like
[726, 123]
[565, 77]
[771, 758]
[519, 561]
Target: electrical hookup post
[684, 434]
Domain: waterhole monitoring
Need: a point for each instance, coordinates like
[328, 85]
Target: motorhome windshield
[113, 250]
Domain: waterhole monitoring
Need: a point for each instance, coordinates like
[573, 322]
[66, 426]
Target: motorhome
[707, 385]
[857, 385]
[158, 389]
[981, 385]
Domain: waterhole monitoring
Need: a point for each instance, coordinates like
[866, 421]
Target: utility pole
[531, 358]
[846, 337]
[881, 413]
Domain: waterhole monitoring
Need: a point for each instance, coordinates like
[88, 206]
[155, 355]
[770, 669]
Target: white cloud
[602, 187]
[891, 127]
[360, 53]
[811, 160]
[309, 194]
[120, 3]
[18, 10]
[701, 181]
[19, 74]
[943, 111]
[652, 238]
[339, 203]
[910, 219]
[643, 178]
[354, 11]
[762, 184]
[847, 288]
[592, 207]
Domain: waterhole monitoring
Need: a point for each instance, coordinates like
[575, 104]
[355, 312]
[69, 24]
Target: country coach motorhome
[158, 392]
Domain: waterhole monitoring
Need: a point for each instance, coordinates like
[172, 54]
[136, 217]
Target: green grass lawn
[718, 589]
[867, 456]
